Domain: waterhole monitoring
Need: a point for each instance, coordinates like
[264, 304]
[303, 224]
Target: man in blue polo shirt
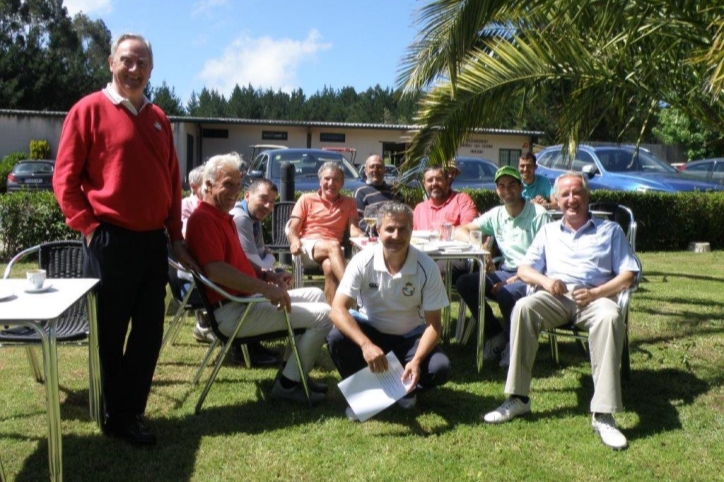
[513, 227]
[536, 189]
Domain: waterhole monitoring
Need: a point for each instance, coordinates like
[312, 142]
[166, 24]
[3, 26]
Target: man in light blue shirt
[513, 226]
[580, 264]
[536, 189]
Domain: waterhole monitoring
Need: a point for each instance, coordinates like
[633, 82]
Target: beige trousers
[309, 310]
[606, 330]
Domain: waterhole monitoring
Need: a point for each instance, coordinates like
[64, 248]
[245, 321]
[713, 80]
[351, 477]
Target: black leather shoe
[315, 386]
[133, 431]
[260, 355]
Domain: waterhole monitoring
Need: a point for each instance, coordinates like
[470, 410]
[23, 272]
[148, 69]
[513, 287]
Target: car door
[717, 173]
[701, 170]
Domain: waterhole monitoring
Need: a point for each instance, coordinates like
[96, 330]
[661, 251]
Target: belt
[221, 303]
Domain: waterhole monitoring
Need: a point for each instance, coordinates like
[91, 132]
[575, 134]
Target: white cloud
[205, 6]
[262, 62]
[88, 6]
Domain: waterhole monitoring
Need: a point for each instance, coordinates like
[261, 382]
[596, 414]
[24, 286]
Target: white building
[197, 138]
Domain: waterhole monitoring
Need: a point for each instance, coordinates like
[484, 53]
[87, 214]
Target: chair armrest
[17, 258]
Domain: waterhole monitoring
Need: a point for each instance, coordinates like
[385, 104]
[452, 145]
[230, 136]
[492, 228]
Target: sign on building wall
[478, 146]
[274, 135]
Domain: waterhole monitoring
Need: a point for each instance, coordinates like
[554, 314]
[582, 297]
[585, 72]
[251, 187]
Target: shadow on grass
[94, 457]
[673, 274]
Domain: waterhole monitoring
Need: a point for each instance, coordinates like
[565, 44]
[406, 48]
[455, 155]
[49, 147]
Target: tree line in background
[49, 60]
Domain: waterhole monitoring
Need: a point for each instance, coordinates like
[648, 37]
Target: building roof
[270, 122]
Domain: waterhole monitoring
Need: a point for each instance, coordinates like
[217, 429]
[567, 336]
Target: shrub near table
[30, 218]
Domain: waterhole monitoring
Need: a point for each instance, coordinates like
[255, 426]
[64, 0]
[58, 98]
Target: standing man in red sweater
[117, 181]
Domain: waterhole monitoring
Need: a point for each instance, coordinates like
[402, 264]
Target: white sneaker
[511, 408]
[505, 356]
[605, 426]
[204, 334]
[494, 347]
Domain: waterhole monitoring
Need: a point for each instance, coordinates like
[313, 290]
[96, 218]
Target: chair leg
[553, 341]
[297, 358]
[178, 320]
[222, 356]
[247, 357]
[205, 361]
[34, 364]
[460, 326]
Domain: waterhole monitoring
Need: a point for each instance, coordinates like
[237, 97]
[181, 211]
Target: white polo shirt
[394, 304]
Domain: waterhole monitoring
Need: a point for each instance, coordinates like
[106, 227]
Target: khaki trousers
[309, 310]
[606, 330]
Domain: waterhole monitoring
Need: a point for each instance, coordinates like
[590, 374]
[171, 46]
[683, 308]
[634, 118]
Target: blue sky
[277, 44]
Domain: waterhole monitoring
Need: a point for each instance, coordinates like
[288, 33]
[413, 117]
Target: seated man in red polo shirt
[318, 224]
[443, 206]
[212, 239]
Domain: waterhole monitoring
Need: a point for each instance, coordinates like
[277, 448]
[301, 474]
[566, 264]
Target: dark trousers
[469, 286]
[132, 268]
[347, 356]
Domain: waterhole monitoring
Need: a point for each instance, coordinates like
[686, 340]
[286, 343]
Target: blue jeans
[469, 285]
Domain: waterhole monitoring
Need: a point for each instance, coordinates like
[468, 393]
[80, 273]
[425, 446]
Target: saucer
[43, 289]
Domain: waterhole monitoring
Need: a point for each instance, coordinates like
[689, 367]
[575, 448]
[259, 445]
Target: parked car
[36, 175]
[306, 164]
[620, 168]
[475, 173]
[391, 173]
[709, 169]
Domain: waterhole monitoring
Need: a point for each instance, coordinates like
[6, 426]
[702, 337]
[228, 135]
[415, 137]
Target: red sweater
[117, 167]
[211, 236]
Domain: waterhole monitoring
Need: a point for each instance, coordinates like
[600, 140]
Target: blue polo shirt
[540, 186]
[591, 256]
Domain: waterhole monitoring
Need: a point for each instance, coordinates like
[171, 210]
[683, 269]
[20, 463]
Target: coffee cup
[36, 278]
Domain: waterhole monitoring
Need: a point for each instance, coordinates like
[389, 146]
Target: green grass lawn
[674, 416]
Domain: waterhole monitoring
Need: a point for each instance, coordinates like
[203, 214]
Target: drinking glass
[476, 239]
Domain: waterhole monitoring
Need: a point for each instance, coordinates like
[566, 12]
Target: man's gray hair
[576, 175]
[214, 165]
[132, 36]
[392, 208]
[196, 176]
[335, 166]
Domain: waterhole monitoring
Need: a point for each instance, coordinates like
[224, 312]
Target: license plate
[33, 181]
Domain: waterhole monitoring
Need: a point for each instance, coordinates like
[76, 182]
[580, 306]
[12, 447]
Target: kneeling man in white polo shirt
[400, 296]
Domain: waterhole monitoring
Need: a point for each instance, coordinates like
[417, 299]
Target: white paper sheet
[369, 393]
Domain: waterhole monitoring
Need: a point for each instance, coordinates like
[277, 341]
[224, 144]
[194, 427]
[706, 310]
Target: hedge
[30, 218]
[666, 222]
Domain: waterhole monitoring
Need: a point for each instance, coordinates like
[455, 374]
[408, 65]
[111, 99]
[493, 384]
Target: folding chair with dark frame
[226, 342]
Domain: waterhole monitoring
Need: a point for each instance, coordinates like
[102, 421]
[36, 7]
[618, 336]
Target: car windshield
[306, 165]
[475, 171]
[33, 168]
[624, 160]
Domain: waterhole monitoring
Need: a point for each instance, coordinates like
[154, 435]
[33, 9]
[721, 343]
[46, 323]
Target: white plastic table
[34, 310]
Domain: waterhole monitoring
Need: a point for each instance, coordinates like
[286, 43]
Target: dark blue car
[306, 164]
[620, 168]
